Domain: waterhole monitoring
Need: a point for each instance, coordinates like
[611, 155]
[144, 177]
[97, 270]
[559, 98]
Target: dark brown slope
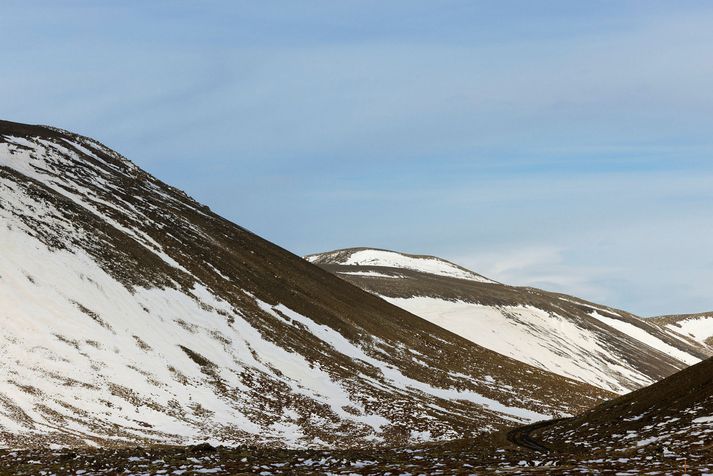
[147, 235]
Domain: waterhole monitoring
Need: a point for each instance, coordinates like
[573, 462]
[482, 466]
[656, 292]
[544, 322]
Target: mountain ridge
[597, 344]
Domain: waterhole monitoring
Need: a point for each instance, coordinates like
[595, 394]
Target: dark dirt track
[521, 436]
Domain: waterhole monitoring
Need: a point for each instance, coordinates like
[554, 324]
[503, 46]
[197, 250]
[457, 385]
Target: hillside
[131, 313]
[592, 343]
[670, 420]
[689, 326]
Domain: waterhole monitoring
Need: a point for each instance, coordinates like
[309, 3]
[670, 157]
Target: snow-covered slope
[130, 313]
[688, 326]
[605, 347]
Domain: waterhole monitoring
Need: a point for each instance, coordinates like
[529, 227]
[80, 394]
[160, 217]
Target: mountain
[131, 313]
[670, 420]
[592, 343]
[366, 257]
[688, 326]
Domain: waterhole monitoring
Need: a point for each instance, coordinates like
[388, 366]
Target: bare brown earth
[685, 396]
[670, 420]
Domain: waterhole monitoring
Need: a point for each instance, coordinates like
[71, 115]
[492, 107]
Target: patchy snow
[647, 441]
[545, 340]
[705, 420]
[397, 379]
[77, 342]
[699, 328]
[642, 336]
[420, 435]
[46, 162]
[591, 306]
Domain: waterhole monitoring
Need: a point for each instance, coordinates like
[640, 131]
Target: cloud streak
[553, 145]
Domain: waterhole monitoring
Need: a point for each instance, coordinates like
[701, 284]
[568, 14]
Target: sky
[558, 144]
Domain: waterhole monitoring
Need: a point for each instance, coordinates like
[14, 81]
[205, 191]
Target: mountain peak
[380, 258]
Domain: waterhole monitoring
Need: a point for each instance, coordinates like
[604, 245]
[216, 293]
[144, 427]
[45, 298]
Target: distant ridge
[593, 343]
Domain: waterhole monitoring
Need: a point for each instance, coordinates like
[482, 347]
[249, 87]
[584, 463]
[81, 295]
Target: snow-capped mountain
[690, 326]
[129, 312]
[596, 344]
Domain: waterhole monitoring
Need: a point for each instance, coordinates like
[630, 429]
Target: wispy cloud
[559, 145]
[543, 267]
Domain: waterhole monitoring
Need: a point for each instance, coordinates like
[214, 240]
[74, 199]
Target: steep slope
[130, 312]
[608, 348]
[672, 419]
[698, 327]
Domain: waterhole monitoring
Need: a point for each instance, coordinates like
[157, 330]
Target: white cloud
[542, 267]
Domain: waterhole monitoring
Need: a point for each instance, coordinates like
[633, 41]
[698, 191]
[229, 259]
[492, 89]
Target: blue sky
[560, 144]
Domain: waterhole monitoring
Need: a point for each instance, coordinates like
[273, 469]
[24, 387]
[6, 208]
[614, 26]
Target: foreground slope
[672, 419]
[130, 312]
[665, 429]
[609, 348]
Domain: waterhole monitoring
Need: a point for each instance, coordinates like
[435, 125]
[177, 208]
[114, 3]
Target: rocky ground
[489, 455]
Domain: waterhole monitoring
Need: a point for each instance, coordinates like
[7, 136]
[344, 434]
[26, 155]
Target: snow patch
[642, 336]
